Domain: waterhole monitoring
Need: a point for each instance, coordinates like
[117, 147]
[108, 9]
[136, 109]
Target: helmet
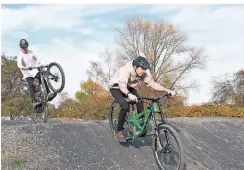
[23, 43]
[141, 62]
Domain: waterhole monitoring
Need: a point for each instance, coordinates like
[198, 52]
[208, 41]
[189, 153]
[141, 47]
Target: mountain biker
[123, 83]
[26, 59]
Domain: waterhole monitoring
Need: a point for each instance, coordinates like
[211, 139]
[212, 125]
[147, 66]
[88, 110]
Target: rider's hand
[24, 68]
[28, 68]
[173, 93]
[132, 97]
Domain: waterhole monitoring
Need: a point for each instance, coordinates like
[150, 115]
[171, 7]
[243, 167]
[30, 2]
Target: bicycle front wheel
[165, 144]
[56, 77]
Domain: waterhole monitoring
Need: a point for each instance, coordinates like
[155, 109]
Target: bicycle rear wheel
[44, 113]
[163, 150]
[54, 77]
[40, 114]
[113, 116]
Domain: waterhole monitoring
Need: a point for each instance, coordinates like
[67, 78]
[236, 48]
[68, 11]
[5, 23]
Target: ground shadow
[138, 143]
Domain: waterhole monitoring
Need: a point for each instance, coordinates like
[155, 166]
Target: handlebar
[151, 99]
[155, 99]
[30, 68]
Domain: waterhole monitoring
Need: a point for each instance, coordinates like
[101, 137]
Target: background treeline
[172, 60]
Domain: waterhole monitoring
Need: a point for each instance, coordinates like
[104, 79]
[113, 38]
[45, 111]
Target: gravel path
[209, 143]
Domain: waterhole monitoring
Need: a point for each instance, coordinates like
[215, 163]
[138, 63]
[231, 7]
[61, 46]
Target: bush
[16, 106]
[95, 107]
[205, 111]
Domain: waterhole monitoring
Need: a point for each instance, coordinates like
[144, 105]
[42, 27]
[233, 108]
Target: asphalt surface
[209, 144]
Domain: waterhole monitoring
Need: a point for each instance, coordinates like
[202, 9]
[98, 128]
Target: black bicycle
[164, 149]
[41, 95]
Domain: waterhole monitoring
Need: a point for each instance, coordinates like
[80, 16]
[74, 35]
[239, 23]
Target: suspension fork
[166, 136]
[156, 132]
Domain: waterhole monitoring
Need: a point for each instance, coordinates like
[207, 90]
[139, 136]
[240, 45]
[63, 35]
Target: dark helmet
[141, 62]
[23, 43]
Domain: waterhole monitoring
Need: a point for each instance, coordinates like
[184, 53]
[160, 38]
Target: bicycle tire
[172, 131]
[45, 116]
[110, 117]
[62, 74]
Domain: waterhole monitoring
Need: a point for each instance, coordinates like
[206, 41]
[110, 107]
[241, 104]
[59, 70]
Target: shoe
[120, 137]
[149, 133]
[51, 96]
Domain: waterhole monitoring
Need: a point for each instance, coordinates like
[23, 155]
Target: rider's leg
[120, 98]
[139, 105]
[31, 87]
[30, 81]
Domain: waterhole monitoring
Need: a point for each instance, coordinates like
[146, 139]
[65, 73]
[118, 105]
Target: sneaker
[120, 137]
[149, 133]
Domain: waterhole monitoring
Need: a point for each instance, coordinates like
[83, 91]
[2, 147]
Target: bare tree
[229, 89]
[101, 71]
[162, 43]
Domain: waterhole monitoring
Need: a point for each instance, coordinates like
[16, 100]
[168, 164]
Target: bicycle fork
[167, 147]
[158, 143]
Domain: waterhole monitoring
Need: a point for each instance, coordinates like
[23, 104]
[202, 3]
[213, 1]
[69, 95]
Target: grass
[18, 163]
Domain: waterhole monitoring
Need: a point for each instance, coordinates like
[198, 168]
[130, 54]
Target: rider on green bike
[26, 59]
[123, 84]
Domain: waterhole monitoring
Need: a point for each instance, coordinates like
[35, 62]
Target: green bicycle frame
[136, 122]
[139, 127]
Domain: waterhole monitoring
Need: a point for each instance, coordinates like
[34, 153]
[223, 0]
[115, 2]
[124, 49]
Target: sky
[74, 35]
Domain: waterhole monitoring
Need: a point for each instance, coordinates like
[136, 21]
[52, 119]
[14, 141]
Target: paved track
[209, 143]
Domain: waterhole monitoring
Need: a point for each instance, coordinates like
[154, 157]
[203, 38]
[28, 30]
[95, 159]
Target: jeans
[30, 81]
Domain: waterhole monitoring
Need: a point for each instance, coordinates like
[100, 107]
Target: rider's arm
[20, 62]
[123, 80]
[39, 60]
[151, 83]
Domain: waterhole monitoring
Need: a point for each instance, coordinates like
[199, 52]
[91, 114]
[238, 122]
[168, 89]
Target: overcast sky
[72, 35]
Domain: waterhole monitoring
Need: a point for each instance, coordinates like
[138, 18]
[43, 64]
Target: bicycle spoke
[55, 77]
[168, 151]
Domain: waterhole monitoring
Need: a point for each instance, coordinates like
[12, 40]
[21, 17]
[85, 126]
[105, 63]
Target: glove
[132, 97]
[24, 68]
[173, 93]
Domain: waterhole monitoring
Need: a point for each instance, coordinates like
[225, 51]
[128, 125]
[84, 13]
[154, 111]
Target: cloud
[203, 18]
[74, 58]
[51, 16]
[70, 50]
[164, 8]
[85, 31]
[78, 33]
[220, 31]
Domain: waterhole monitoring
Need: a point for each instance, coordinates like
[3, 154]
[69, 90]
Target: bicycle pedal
[128, 138]
[149, 133]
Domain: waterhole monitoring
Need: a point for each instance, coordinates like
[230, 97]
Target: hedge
[205, 111]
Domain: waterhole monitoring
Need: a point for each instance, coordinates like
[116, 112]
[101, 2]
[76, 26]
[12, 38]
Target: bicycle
[40, 111]
[137, 128]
